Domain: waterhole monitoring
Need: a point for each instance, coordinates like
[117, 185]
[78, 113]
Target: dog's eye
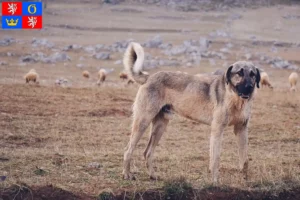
[252, 74]
[240, 73]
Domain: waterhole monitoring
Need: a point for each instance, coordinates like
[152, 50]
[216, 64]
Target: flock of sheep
[33, 76]
[265, 80]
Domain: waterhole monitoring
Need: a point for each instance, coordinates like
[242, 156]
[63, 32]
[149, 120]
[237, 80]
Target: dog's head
[242, 76]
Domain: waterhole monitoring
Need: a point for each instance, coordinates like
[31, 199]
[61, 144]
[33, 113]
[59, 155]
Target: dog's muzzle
[245, 90]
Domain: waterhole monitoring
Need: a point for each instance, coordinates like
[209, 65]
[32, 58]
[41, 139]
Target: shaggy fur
[32, 75]
[215, 100]
[293, 78]
[265, 80]
[133, 62]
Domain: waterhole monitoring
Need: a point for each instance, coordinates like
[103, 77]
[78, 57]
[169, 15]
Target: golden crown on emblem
[12, 22]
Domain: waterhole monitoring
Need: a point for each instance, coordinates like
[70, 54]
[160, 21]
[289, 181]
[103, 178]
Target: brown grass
[50, 135]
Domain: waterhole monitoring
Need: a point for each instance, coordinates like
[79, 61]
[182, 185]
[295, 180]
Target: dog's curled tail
[133, 62]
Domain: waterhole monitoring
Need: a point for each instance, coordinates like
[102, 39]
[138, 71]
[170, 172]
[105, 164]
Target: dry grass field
[68, 142]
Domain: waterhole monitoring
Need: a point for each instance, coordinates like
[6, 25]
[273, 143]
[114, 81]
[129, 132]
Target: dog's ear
[228, 74]
[257, 77]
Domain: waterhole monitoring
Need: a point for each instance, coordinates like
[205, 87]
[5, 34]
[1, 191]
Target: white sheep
[32, 75]
[101, 76]
[293, 81]
[265, 80]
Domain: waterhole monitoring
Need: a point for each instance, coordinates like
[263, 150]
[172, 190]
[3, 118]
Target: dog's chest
[238, 113]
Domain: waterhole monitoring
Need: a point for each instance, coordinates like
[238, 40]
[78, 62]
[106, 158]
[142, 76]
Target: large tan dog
[215, 100]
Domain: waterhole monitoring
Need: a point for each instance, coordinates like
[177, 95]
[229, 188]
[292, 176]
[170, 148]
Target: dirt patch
[18, 140]
[38, 193]
[110, 112]
[212, 193]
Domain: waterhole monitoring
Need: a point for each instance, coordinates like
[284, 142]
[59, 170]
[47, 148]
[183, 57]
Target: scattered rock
[39, 56]
[35, 57]
[7, 41]
[3, 63]
[102, 56]
[219, 33]
[113, 2]
[80, 65]
[204, 43]
[273, 49]
[72, 47]
[99, 47]
[41, 43]
[154, 42]
[165, 46]
[280, 63]
[176, 50]
[89, 49]
[150, 64]
[9, 54]
[169, 63]
[289, 16]
[213, 54]
[119, 46]
[58, 57]
[279, 44]
[28, 58]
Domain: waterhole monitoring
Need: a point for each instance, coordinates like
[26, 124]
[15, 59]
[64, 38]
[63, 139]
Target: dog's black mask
[245, 88]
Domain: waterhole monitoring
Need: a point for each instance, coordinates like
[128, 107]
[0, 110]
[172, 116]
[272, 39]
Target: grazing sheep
[264, 80]
[293, 81]
[32, 75]
[101, 76]
[86, 74]
[123, 76]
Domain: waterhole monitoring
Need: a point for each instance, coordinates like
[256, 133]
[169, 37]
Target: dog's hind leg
[139, 126]
[159, 125]
[143, 115]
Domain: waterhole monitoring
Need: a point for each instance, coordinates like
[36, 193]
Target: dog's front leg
[217, 129]
[241, 132]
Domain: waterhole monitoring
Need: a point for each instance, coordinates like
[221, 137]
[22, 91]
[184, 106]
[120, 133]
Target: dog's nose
[249, 86]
